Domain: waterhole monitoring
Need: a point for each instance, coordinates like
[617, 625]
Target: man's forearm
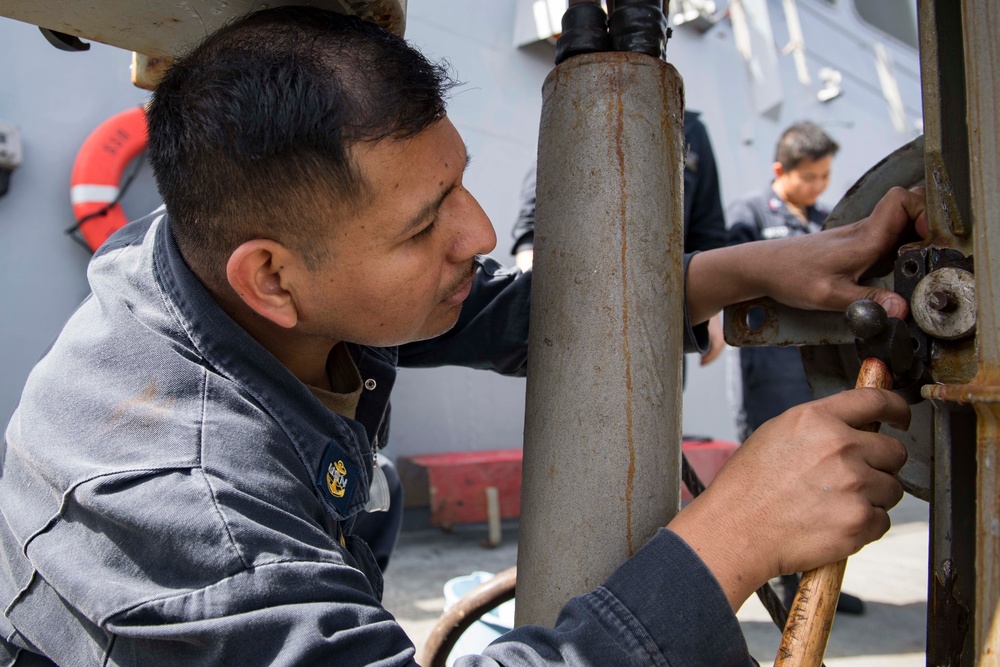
[720, 277]
[815, 271]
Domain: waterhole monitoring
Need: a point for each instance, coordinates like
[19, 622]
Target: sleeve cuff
[673, 595]
[695, 337]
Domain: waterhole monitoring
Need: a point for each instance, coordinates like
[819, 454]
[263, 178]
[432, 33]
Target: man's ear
[779, 171]
[259, 272]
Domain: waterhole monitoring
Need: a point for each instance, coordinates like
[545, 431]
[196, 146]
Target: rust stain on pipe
[620, 152]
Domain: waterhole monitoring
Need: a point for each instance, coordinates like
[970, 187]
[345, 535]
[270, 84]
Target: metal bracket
[64, 42]
[767, 322]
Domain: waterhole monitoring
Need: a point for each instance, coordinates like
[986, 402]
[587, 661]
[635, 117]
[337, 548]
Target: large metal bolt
[941, 301]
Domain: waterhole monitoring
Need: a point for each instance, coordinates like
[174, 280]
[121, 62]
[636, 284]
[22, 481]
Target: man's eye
[425, 231]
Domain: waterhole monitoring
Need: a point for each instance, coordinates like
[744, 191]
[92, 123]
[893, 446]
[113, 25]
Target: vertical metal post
[946, 153]
[981, 19]
[602, 424]
[951, 589]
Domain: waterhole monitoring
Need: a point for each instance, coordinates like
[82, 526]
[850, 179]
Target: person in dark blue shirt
[773, 378]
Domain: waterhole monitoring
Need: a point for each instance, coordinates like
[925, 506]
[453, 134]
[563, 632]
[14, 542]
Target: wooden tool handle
[810, 619]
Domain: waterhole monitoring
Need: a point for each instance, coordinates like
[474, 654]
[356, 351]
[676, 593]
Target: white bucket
[482, 632]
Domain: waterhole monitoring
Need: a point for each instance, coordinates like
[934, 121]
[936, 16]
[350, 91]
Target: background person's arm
[704, 221]
[524, 227]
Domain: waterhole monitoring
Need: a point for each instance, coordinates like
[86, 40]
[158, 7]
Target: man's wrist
[725, 547]
[719, 278]
[758, 264]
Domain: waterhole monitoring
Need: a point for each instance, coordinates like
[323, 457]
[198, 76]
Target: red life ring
[97, 174]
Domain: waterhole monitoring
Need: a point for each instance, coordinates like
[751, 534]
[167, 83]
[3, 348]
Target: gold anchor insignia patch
[339, 480]
[336, 479]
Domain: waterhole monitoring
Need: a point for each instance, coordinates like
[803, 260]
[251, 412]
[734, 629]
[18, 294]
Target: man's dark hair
[249, 134]
[801, 142]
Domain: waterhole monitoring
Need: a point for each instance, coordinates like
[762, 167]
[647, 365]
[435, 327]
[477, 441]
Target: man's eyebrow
[432, 207]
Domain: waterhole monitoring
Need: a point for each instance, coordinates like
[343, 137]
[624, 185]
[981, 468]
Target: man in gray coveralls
[183, 478]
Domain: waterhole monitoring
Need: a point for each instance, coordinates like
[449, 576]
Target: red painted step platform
[457, 482]
[707, 458]
[454, 484]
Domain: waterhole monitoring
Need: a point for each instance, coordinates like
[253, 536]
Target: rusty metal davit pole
[980, 20]
[952, 583]
[602, 425]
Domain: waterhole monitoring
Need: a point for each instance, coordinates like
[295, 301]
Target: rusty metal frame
[951, 567]
[978, 23]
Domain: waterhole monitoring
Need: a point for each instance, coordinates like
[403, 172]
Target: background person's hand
[716, 340]
[806, 489]
[524, 259]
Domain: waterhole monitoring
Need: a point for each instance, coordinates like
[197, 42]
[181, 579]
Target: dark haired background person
[704, 221]
[185, 475]
[773, 379]
[803, 159]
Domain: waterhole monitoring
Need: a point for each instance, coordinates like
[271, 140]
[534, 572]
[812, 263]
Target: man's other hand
[808, 488]
[815, 271]
[837, 258]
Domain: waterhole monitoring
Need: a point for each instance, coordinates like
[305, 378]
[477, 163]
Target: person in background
[704, 220]
[773, 378]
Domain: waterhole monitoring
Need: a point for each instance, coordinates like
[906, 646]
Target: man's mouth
[459, 296]
[462, 291]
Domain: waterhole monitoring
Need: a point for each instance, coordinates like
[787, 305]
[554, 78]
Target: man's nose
[476, 235]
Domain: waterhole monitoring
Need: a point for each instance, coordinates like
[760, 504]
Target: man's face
[399, 270]
[804, 184]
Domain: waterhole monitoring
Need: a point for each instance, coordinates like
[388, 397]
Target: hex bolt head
[941, 301]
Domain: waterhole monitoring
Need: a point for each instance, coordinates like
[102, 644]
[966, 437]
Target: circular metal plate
[944, 303]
